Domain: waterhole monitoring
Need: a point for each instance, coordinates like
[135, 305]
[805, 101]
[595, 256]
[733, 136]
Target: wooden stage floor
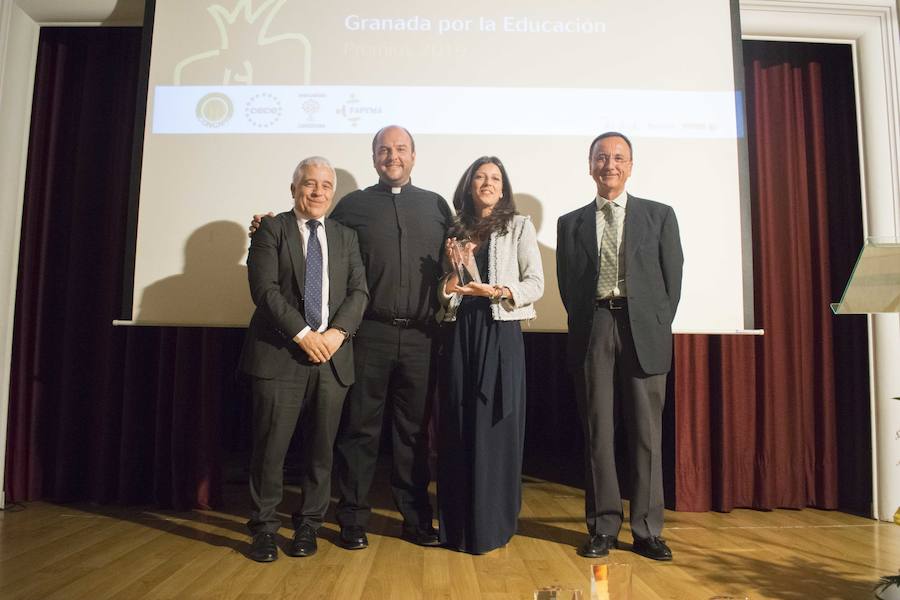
[50, 551]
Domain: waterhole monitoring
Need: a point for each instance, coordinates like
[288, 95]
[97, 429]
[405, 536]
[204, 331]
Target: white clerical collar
[620, 200]
[393, 189]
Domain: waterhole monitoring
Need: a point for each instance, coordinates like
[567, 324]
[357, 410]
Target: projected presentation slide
[242, 90]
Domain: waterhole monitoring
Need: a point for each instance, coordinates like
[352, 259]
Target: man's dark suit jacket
[276, 269]
[653, 264]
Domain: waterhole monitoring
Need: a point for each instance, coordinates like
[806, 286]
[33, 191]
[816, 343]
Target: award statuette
[464, 259]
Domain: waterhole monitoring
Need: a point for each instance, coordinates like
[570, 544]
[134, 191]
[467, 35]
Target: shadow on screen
[212, 289]
[346, 183]
[550, 304]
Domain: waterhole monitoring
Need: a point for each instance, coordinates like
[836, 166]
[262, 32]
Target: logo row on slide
[444, 110]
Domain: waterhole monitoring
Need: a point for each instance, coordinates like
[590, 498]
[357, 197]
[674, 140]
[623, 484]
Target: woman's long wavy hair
[468, 224]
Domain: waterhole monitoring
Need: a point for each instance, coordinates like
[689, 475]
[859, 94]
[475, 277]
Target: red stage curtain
[111, 415]
[756, 417]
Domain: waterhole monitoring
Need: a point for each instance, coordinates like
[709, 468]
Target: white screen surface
[241, 91]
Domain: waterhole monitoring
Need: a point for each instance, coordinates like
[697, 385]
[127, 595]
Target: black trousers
[610, 381]
[393, 367]
[316, 399]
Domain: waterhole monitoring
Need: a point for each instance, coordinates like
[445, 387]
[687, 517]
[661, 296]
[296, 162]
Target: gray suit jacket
[276, 269]
[653, 264]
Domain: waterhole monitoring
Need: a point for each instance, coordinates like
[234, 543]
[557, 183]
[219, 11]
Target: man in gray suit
[619, 265]
[309, 286]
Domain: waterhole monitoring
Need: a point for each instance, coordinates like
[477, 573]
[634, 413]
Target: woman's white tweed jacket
[514, 261]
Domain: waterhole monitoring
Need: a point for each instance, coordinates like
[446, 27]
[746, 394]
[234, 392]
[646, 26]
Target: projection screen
[240, 91]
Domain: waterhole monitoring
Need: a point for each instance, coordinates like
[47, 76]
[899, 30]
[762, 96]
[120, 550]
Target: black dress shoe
[421, 537]
[263, 548]
[304, 542]
[353, 537]
[597, 545]
[652, 547]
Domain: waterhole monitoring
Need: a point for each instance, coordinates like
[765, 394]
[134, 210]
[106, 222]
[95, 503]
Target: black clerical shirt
[401, 239]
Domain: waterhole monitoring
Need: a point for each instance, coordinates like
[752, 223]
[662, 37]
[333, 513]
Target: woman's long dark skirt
[481, 430]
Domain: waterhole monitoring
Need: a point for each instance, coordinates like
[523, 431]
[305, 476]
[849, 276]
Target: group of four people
[353, 301]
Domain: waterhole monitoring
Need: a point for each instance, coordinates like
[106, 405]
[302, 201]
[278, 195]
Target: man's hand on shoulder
[257, 219]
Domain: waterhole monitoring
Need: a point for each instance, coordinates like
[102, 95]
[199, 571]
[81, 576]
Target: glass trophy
[874, 285]
[464, 259]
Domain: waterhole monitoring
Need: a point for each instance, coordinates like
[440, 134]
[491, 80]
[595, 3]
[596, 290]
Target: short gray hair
[313, 161]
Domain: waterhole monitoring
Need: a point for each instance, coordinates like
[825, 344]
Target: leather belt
[400, 322]
[620, 303]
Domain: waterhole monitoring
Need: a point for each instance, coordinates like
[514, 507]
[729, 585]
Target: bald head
[378, 134]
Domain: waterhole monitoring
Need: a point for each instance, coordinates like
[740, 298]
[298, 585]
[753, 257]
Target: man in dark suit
[619, 264]
[309, 286]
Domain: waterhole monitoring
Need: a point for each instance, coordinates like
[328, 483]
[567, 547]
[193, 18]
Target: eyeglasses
[617, 159]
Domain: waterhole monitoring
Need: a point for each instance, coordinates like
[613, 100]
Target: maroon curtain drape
[122, 415]
[143, 415]
[757, 417]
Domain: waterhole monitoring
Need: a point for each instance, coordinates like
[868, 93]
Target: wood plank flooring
[70, 552]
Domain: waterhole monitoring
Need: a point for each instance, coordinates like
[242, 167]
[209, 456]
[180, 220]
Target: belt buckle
[617, 303]
[400, 322]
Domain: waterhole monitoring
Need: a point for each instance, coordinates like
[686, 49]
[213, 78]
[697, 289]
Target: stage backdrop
[149, 415]
[240, 91]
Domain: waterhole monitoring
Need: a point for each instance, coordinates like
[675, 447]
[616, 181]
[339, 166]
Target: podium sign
[874, 285]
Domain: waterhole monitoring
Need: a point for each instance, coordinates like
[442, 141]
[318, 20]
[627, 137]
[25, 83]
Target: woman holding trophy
[496, 277]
